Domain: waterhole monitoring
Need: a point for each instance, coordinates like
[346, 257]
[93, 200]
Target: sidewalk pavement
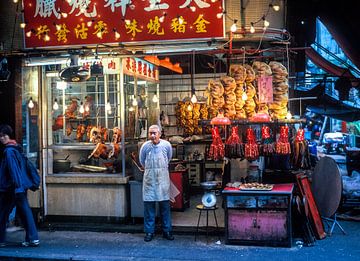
[99, 246]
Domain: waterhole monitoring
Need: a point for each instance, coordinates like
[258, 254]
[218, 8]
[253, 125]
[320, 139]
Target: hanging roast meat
[233, 145]
[283, 145]
[216, 151]
[267, 147]
[301, 156]
[251, 147]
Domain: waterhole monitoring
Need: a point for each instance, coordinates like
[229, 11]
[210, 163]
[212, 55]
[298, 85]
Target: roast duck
[233, 145]
[216, 151]
[98, 136]
[301, 155]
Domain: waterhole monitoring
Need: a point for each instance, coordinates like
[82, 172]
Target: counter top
[86, 178]
[277, 189]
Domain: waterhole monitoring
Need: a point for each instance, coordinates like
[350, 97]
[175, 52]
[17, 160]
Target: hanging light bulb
[233, 27]
[22, 25]
[219, 15]
[31, 103]
[127, 21]
[134, 102]
[15, 1]
[87, 108]
[193, 8]
[252, 28]
[288, 115]
[276, 7]
[131, 109]
[181, 20]
[162, 18]
[244, 96]
[108, 106]
[28, 34]
[89, 23]
[189, 107]
[266, 23]
[46, 38]
[117, 35]
[55, 105]
[109, 111]
[194, 98]
[81, 109]
[155, 99]
[99, 34]
[64, 15]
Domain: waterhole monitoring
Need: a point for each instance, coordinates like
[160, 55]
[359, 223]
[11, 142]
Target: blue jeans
[150, 213]
[8, 200]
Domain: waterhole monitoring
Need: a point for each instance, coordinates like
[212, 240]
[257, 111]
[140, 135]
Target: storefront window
[30, 113]
[79, 108]
[87, 124]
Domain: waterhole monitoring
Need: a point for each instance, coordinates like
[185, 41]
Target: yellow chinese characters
[154, 27]
[81, 31]
[176, 26]
[61, 33]
[42, 30]
[100, 29]
[200, 24]
[132, 28]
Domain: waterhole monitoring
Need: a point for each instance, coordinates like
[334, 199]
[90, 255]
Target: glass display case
[89, 122]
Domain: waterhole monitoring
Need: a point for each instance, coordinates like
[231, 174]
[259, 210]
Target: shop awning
[327, 106]
[327, 66]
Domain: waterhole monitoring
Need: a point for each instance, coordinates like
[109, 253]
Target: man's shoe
[168, 236]
[32, 243]
[148, 237]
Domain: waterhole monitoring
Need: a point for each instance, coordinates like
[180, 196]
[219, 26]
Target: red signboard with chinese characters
[52, 23]
[141, 69]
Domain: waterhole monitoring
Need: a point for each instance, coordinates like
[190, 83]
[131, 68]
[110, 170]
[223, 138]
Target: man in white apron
[154, 156]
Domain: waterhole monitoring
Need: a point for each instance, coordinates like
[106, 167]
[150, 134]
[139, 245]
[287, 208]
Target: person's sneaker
[32, 243]
[168, 236]
[2, 244]
[148, 237]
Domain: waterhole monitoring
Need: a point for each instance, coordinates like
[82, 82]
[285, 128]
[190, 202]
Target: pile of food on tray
[250, 186]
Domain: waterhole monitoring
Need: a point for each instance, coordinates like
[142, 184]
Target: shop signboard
[61, 23]
[140, 69]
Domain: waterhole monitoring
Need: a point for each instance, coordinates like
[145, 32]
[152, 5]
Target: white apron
[156, 182]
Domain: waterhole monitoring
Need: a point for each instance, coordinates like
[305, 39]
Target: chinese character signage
[141, 69]
[51, 23]
[265, 89]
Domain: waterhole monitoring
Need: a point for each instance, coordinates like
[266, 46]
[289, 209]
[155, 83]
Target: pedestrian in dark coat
[14, 184]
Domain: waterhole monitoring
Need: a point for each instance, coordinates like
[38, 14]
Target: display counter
[84, 194]
[258, 217]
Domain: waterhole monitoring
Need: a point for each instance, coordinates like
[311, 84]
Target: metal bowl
[209, 185]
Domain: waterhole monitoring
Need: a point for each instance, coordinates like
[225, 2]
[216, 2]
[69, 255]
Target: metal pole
[122, 117]
[106, 98]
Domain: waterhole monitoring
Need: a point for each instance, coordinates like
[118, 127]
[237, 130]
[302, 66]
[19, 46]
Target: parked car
[335, 142]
